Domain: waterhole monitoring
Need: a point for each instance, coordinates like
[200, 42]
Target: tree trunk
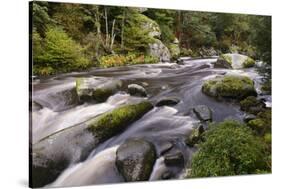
[112, 36]
[122, 29]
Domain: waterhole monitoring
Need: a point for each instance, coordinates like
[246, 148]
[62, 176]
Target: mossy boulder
[159, 50]
[137, 90]
[195, 136]
[224, 61]
[135, 159]
[262, 123]
[235, 87]
[96, 88]
[252, 105]
[111, 123]
[249, 62]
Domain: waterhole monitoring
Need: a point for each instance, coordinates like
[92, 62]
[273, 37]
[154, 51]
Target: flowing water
[59, 110]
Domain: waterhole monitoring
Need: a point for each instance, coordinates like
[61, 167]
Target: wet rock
[96, 88]
[203, 113]
[249, 117]
[165, 147]
[137, 90]
[180, 61]
[36, 106]
[195, 136]
[174, 158]
[234, 86]
[46, 171]
[167, 175]
[168, 101]
[252, 105]
[135, 159]
[111, 123]
[53, 154]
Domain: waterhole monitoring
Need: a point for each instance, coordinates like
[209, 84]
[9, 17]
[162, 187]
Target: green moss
[174, 50]
[229, 148]
[227, 58]
[262, 123]
[249, 62]
[229, 87]
[101, 95]
[266, 86]
[267, 138]
[113, 122]
[252, 105]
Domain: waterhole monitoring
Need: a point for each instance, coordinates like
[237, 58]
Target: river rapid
[56, 109]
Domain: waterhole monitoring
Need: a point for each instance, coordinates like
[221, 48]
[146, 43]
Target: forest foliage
[69, 37]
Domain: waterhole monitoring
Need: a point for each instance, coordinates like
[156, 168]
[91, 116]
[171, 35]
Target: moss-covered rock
[135, 159]
[109, 124]
[249, 62]
[235, 87]
[252, 105]
[96, 88]
[195, 136]
[158, 49]
[137, 90]
[224, 61]
[262, 123]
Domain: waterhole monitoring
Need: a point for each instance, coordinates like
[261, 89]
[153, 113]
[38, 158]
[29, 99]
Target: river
[58, 110]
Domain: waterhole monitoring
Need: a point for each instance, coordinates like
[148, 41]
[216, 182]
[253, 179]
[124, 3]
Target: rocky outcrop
[111, 123]
[235, 87]
[168, 101]
[137, 90]
[158, 49]
[203, 113]
[96, 88]
[135, 159]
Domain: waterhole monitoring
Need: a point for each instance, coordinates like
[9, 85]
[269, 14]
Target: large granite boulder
[135, 159]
